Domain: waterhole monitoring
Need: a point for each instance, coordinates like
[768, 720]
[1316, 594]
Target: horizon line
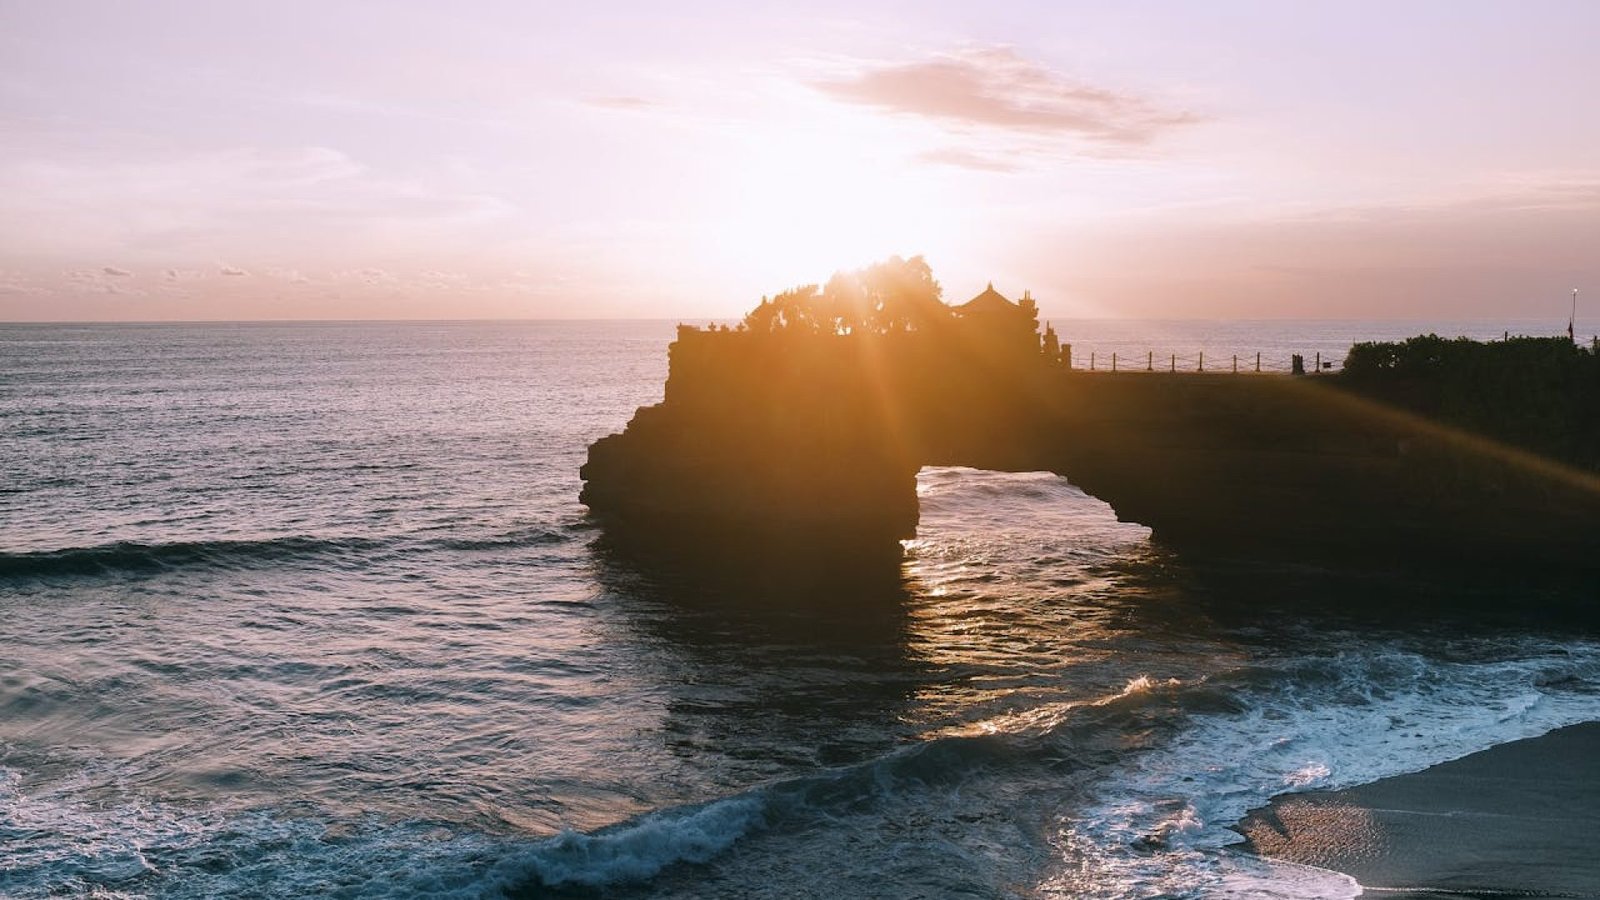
[722, 319]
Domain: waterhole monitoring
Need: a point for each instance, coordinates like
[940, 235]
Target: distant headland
[799, 432]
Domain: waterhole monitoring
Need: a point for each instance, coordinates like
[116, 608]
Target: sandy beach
[1514, 820]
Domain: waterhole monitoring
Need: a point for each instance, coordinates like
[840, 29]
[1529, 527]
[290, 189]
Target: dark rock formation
[804, 445]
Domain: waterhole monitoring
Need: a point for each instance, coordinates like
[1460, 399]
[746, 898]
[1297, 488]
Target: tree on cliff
[903, 294]
[793, 310]
[894, 295]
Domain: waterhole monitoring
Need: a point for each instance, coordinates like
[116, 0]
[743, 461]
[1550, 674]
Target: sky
[345, 159]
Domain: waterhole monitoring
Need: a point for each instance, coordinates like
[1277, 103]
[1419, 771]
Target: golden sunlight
[847, 448]
[810, 205]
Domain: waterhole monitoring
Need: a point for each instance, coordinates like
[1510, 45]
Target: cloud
[436, 279]
[1544, 192]
[85, 276]
[292, 276]
[235, 272]
[966, 160]
[995, 88]
[18, 284]
[102, 280]
[369, 275]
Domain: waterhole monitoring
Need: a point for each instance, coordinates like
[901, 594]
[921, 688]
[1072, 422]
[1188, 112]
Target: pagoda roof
[989, 301]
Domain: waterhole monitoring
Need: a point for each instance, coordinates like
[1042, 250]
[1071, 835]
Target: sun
[797, 211]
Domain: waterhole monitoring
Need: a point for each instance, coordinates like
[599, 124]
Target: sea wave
[532, 536]
[636, 850]
[1142, 784]
[1052, 741]
[1159, 822]
[136, 557]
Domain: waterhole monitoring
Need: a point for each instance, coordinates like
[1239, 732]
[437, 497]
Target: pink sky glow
[349, 159]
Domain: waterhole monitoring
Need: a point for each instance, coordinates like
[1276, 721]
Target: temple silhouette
[798, 433]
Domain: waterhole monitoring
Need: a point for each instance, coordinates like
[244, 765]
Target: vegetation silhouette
[896, 295]
[795, 439]
[1539, 393]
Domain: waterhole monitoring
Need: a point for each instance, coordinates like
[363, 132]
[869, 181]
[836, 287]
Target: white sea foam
[1159, 822]
[57, 841]
[1154, 822]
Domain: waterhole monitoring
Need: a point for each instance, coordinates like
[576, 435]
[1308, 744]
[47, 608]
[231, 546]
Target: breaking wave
[1142, 784]
[134, 557]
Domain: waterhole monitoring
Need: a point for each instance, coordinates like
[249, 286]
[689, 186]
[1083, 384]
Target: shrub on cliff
[1539, 393]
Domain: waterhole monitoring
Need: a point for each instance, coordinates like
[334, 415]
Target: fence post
[1091, 361]
[1318, 369]
[1202, 360]
[1174, 362]
[1236, 364]
[1149, 360]
[1258, 360]
[1113, 361]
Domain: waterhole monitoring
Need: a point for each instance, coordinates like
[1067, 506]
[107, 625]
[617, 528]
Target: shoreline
[1517, 819]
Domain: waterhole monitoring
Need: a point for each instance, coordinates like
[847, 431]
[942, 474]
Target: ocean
[295, 610]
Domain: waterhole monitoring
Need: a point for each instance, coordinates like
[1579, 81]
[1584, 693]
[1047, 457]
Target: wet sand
[1521, 819]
